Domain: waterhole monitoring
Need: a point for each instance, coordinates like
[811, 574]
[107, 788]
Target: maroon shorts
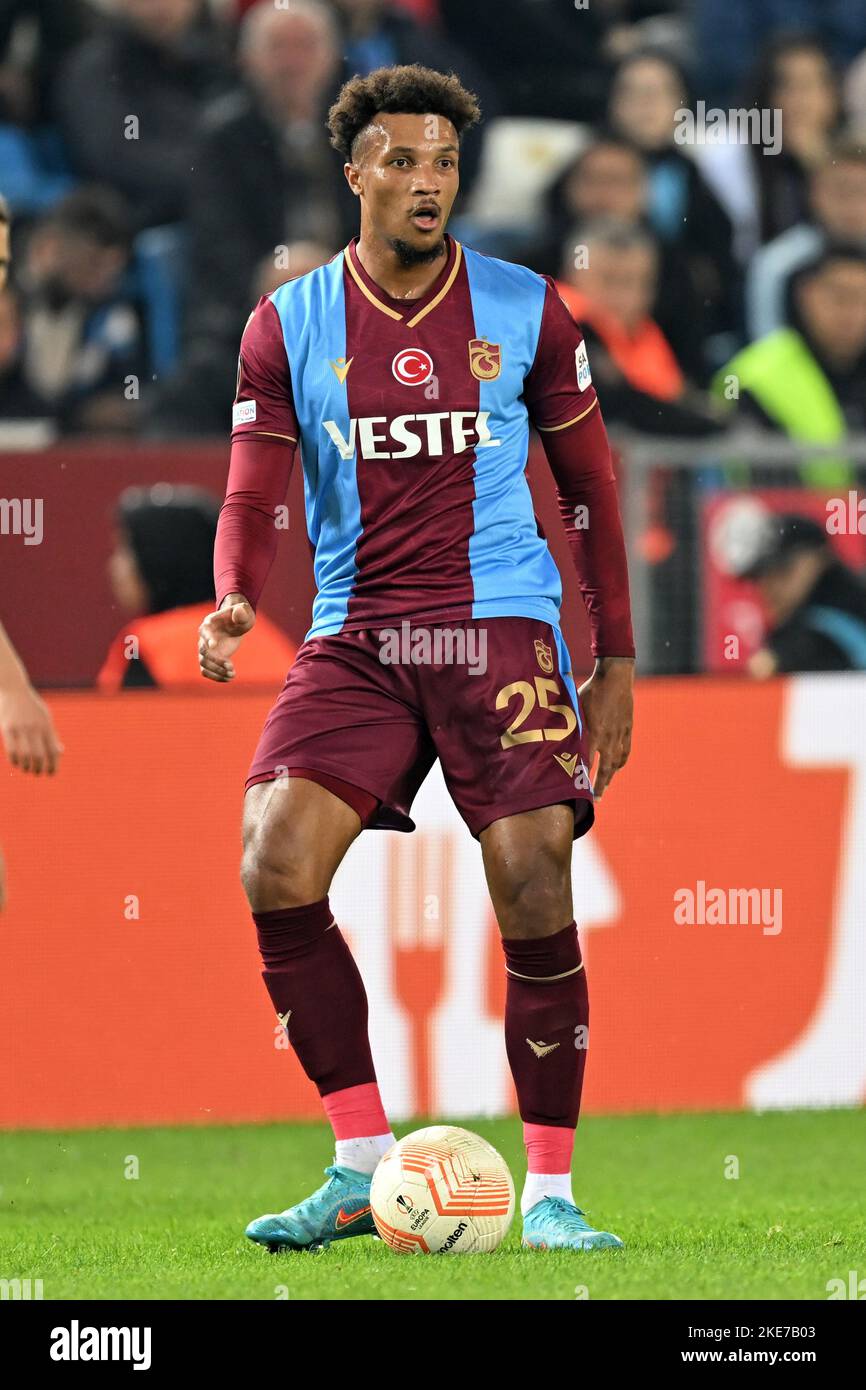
[493, 698]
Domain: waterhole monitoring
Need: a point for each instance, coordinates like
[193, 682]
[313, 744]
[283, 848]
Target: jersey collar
[409, 312]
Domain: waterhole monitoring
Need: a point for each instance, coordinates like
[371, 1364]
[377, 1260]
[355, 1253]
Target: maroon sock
[311, 975]
[546, 1022]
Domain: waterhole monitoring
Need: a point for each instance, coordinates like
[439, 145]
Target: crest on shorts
[485, 359]
[544, 656]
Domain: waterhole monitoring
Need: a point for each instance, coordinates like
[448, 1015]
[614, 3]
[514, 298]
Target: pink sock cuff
[549, 1148]
[356, 1112]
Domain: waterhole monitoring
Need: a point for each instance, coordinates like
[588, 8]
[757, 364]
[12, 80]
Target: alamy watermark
[736, 126]
[77, 1343]
[22, 516]
[22, 1289]
[438, 646]
[846, 516]
[722, 907]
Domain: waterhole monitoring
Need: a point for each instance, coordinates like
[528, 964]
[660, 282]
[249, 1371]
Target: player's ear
[353, 178]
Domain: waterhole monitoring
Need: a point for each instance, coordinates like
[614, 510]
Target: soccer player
[408, 369]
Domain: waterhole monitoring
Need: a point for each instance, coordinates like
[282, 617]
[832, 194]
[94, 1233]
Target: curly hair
[411, 89]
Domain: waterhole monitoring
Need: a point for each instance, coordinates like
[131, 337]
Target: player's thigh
[507, 726]
[295, 836]
[346, 716]
[527, 863]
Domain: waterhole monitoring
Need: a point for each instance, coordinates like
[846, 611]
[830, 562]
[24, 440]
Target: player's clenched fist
[219, 637]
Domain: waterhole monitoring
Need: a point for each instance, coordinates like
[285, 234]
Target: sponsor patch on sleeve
[584, 375]
[244, 412]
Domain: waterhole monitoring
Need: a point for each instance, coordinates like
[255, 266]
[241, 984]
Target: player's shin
[319, 997]
[546, 1028]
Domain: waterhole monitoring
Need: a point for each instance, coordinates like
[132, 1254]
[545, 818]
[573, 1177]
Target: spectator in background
[161, 575]
[265, 173]
[794, 76]
[808, 381]
[816, 604]
[35, 36]
[265, 177]
[763, 183]
[54, 27]
[648, 90]
[83, 333]
[608, 179]
[546, 57]
[728, 32]
[837, 198]
[610, 293]
[376, 34]
[128, 101]
[18, 400]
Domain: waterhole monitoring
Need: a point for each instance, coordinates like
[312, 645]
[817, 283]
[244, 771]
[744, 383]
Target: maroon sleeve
[264, 439]
[246, 538]
[564, 408]
[263, 399]
[558, 389]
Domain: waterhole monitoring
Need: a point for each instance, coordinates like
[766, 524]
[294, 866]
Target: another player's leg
[527, 860]
[295, 836]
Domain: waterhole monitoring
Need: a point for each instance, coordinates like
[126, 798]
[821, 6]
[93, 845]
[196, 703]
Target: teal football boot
[555, 1224]
[339, 1209]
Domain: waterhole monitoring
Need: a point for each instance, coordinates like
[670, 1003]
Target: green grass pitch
[793, 1219]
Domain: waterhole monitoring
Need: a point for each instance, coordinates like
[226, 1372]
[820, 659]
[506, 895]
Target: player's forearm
[246, 542]
[580, 461]
[246, 539]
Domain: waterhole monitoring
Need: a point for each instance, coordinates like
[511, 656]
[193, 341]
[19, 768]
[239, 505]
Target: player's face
[407, 178]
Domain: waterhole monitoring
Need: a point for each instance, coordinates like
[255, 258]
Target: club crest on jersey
[485, 359]
[412, 367]
[544, 656]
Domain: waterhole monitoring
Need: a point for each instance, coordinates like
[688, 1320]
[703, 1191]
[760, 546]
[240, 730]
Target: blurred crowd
[165, 162]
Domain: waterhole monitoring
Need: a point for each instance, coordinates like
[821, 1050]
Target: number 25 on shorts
[530, 695]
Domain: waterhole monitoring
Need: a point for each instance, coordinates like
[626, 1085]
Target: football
[442, 1191]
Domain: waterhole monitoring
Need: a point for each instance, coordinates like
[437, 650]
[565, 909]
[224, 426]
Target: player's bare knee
[532, 892]
[278, 867]
[534, 910]
[276, 871]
